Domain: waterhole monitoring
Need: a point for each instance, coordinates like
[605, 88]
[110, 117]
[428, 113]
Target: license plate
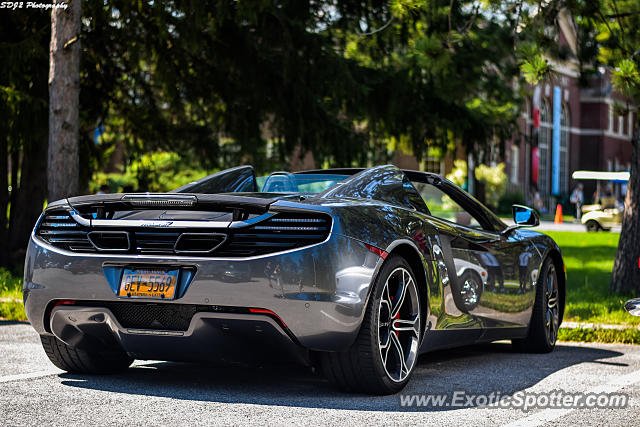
[148, 283]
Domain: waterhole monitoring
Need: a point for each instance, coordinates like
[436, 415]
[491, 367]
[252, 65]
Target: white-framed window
[565, 138]
[610, 124]
[620, 125]
[515, 160]
[527, 109]
[434, 164]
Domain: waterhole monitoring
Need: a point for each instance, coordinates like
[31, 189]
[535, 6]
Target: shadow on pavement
[474, 369]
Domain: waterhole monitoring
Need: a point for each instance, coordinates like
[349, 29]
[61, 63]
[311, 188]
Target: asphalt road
[157, 393]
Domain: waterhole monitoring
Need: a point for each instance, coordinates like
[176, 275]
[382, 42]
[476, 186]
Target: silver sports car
[357, 271]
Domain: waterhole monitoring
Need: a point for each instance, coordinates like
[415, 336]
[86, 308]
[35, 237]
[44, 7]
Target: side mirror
[633, 306]
[524, 216]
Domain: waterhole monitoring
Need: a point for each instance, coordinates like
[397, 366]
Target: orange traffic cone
[558, 219]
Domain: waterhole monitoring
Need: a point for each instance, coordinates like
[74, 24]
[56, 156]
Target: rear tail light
[64, 302]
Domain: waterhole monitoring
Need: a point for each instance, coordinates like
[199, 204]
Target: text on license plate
[148, 283]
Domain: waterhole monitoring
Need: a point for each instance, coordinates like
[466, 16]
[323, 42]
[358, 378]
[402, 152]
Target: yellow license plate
[148, 283]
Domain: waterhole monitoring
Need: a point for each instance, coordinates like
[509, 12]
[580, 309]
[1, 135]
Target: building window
[515, 159]
[565, 135]
[610, 124]
[435, 165]
[544, 140]
[620, 125]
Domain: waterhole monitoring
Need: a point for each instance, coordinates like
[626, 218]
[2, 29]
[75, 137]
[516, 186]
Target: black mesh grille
[156, 241]
[109, 240]
[145, 316]
[199, 242]
[164, 317]
[279, 233]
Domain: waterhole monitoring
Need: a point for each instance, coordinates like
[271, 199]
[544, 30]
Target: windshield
[243, 179]
[279, 182]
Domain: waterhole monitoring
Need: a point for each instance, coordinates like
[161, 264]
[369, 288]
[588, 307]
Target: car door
[487, 283]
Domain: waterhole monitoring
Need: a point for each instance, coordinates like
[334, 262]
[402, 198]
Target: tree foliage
[333, 77]
[155, 172]
[239, 81]
[24, 48]
[611, 32]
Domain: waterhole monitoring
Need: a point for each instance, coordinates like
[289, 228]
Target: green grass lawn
[11, 306]
[589, 259]
[621, 336]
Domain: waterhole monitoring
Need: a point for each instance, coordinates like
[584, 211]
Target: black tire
[545, 320]
[361, 368]
[80, 361]
[592, 225]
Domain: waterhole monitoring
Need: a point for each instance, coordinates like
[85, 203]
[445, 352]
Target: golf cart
[605, 213]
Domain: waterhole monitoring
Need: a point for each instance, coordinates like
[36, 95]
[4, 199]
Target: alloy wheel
[552, 316]
[399, 324]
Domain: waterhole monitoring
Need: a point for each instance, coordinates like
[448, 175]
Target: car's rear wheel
[545, 320]
[592, 225]
[383, 357]
[82, 361]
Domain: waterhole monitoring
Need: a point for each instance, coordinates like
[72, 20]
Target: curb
[595, 326]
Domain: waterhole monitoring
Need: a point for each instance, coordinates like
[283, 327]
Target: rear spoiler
[151, 200]
[100, 206]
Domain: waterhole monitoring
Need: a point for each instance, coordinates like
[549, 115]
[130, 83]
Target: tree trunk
[626, 269]
[15, 185]
[27, 205]
[4, 198]
[64, 94]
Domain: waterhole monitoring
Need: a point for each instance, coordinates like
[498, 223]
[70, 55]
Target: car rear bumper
[211, 336]
[318, 292]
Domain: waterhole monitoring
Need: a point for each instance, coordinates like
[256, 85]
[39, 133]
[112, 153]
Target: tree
[64, 95]
[339, 78]
[334, 77]
[23, 128]
[453, 70]
[609, 34]
[614, 27]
